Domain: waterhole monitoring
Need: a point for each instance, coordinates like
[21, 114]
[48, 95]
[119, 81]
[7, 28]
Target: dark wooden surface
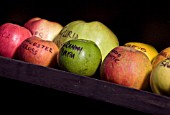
[27, 84]
[19, 96]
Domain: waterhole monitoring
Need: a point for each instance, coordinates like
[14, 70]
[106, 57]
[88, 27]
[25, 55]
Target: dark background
[145, 21]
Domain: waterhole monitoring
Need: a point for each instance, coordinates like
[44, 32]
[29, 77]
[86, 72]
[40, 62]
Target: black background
[144, 21]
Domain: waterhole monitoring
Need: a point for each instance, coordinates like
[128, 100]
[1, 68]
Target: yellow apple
[148, 49]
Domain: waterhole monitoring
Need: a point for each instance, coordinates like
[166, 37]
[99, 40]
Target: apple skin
[165, 53]
[95, 31]
[79, 56]
[38, 51]
[126, 66]
[160, 78]
[43, 28]
[11, 36]
[148, 49]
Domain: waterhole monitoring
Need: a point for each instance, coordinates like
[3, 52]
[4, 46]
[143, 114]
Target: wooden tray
[90, 88]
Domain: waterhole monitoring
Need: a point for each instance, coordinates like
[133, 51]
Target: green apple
[160, 78]
[96, 31]
[79, 56]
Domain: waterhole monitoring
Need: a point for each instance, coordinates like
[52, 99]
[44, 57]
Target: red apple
[11, 36]
[126, 66]
[43, 28]
[38, 51]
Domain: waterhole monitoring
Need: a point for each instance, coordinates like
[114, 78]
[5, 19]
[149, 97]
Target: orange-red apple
[38, 51]
[165, 53]
[11, 36]
[43, 28]
[126, 66]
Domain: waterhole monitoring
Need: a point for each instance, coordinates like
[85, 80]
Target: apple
[43, 28]
[148, 49]
[160, 78]
[95, 31]
[165, 53]
[11, 36]
[126, 66]
[80, 56]
[38, 51]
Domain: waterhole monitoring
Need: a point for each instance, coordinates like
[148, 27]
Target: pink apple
[43, 28]
[126, 66]
[11, 36]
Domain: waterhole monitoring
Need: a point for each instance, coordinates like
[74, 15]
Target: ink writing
[4, 35]
[32, 46]
[137, 47]
[67, 54]
[73, 47]
[164, 54]
[165, 63]
[68, 34]
[38, 34]
[114, 55]
[65, 34]
[31, 49]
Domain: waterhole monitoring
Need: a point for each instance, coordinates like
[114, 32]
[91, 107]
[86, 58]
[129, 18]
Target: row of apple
[134, 64]
[87, 49]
